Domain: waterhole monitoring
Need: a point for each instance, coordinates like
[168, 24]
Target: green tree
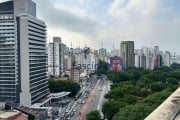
[66, 75]
[117, 77]
[172, 81]
[124, 91]
[165, 69]
[102, 67]
[175, 66]
[133, 112]
[175, 74]
[144, 107]
[94, 115]
[157, 86]
[110, 108]
[135, 100]
[56, 86]
[134, 72]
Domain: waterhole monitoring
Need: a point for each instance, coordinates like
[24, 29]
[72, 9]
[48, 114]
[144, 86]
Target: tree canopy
[94, 115]
[135, 93]
[56, 86]
[102, 67]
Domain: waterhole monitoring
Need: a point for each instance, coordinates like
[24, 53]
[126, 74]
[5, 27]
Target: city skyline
[59, 65]
[148, 23]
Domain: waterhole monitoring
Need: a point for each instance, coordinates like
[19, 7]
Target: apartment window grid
[7, 58]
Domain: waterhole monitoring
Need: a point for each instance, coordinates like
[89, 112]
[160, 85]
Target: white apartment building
[140, 61]
[103, 54]
[23, 58]
[115, 52]
[175, 59]
[86, 59]
[167, 59]
[56, 57]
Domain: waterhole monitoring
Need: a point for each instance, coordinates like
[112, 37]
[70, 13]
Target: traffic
[72, 111]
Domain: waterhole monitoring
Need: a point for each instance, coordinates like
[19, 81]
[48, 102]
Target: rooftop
[7, 114]
[33, 111]
[12, 115]
[58, 95]
[168, 110]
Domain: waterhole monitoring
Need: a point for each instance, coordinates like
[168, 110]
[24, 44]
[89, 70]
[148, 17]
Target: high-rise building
[156, 51]
[114, 52]
[158, 62]
[127, 54]
[146, 52]
[102, 54]
[167, 58]
[175, 58]
[56, 57]
[140, 61]
[85, 58]
[23, 58]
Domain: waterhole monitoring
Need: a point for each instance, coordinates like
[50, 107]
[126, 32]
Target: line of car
[71, 109]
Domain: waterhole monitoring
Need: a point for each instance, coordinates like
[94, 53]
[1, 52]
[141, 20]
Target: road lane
[98, 101]
[87, 102]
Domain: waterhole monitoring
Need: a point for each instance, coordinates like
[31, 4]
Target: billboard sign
[116, 63]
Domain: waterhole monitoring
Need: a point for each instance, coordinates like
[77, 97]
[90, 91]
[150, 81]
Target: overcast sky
[93, 22]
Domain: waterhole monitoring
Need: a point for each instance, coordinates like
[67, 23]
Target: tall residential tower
[23, 58]
[127, 54]
[56, 57]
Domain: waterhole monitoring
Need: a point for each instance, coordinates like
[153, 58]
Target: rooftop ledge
[169, 109]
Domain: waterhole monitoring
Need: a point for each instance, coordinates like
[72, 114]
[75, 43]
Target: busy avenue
[89, 98]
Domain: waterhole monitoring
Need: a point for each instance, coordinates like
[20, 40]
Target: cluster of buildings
[78, 62]
[150, 58]
[74, 62]
[146, 57]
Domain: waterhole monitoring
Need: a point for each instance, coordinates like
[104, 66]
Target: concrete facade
[127, 54]
[168, 110]
[56, 57]
[23, 53]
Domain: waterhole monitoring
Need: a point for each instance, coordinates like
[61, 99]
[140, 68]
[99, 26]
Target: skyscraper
[56, 57]
[156, 51]
[127, 54]
[158, 62]
[102, 54]
[167, 59]
[23, 58]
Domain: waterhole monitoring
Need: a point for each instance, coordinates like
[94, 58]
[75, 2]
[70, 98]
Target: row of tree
[56, 86]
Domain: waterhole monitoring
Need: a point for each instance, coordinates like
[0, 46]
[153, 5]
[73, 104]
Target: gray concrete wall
[25, 96]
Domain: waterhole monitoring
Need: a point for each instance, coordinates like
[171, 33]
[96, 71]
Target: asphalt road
[93, 101]
[97, 100]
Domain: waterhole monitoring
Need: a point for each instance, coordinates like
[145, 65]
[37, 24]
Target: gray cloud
[63, 19]
[148, 23]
